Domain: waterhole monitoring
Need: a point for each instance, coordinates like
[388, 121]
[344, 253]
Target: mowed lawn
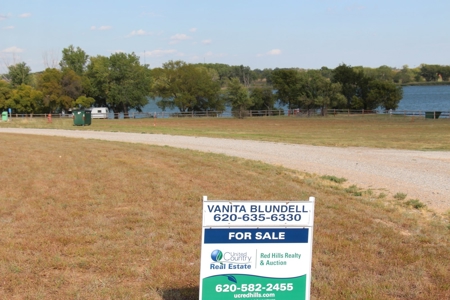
[86, 219]
[379, 131]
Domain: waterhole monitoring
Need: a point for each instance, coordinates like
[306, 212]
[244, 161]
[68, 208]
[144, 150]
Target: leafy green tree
[25, 99]
[445, 72]
[119, 82]
[319, 92]
[430, 72]
[19, 74]
[262, 98]
[5, 94]
[74, 59]
[49, 83]
[435, 72]
[355, 86]
[287, 83]
[385, 94]
[187, 87]
[224, 71]
[384, 72]
[96, 81]
[326, 72]
[129, 83]
[84, 102]
[237, 96]
[348, 78]
[244, 73]
[405, 75]
[72, 88]
[267, 76]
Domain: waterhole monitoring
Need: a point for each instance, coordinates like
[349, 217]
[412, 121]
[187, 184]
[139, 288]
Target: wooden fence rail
[253, 113]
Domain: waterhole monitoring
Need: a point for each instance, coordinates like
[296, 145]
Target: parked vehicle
[99, 112]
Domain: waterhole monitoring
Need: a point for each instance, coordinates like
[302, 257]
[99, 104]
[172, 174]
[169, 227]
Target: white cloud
[159, 52]
[13, 49]
[178, 38]
[193, 29]
[139, 32]
[8, 27]
[207, 42]
[274, 52]
[25, 15]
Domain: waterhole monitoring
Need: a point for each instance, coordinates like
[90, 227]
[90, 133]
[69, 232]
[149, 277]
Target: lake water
[415, 98]
[425, 98]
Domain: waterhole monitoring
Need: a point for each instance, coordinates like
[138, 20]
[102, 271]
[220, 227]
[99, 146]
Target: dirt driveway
[421, 175]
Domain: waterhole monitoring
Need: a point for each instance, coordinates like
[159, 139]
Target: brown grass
[84, 219]
[379, 131]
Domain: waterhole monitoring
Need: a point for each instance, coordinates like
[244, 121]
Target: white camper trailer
[99, 112]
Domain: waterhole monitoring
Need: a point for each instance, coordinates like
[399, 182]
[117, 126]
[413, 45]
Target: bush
[334, 178]
[400, 196]
[415, 203]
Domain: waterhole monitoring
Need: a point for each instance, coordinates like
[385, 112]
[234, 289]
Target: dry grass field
[85, 219]
[378, 131]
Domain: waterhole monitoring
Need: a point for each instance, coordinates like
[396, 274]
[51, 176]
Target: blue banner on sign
[262, 235]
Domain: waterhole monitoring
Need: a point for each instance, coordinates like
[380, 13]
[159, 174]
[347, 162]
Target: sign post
[256, 250]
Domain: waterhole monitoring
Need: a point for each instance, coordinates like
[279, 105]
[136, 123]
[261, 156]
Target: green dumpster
[432, 114]
[81, 117]
[87, 117]
[5, 116]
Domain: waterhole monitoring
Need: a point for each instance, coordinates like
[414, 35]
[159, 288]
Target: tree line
[120, 82]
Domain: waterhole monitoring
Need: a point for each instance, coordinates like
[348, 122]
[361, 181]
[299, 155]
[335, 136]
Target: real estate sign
[256, 250]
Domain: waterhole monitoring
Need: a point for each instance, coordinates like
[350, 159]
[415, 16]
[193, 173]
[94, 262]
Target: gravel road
[421, 175]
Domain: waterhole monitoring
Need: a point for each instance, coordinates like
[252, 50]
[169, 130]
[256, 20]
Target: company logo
[230, 260]
[230, 257]
[217, 256]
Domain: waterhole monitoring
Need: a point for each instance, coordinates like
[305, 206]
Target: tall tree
[319, 92]
[354, 86]
[119, 82]
[97, 78]
[129, 83]
[74, 59]
[5, 94]
[187, 87]
[262, 98]
[49, 83]
[405, 75]
[19, 74]
[71, 85]
[385, 94]
[237, 96]
[287, 83]
[348, 78]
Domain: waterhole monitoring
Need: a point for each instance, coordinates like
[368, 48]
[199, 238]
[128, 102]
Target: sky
[260, 34]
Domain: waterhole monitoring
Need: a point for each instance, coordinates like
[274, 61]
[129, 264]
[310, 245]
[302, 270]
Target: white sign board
[256, 249]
